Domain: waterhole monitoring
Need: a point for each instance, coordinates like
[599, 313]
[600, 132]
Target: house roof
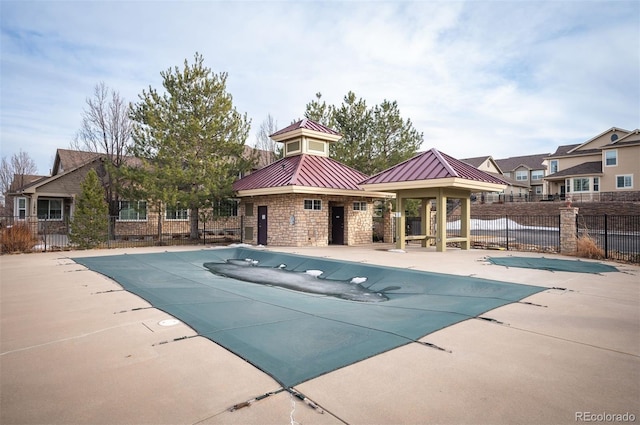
[586, 168]
[477, 161]
[67, 159]
[431, 165]
[22, 181]
[305, 124]
[532, 162]
[611, 130]
[303, 171]
[633, 138]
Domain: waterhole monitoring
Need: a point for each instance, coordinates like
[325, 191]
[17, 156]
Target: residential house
[50, 200]
[515, 190]
[605, 167]
[528, 173]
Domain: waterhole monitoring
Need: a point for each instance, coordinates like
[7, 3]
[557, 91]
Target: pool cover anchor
[305, 400]
[180, 338]
[249, 402]
[491, 320]
[431, 345]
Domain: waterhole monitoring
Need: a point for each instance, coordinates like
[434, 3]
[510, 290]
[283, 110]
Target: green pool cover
[292, 335]
[553, 264]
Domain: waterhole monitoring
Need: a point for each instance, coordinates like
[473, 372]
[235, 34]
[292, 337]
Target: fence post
[606, 238]
[506, 223]
[568, 230]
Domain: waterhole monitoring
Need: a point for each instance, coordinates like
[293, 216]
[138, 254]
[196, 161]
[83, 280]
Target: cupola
[306, 137]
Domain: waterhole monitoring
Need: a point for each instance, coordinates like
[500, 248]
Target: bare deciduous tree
[17, 167]
[264, 142]
[106, 129]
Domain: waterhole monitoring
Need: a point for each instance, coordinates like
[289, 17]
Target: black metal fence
[618, 236]
[30, 235]
[511, 232]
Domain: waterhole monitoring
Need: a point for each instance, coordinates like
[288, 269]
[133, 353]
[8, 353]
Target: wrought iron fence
[31, 235]
[618, 236]
[511, 232]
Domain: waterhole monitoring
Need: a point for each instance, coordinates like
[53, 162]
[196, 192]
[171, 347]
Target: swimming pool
[295, 335]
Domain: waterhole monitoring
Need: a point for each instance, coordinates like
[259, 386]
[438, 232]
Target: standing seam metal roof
[430, 165]
[303, 170]
[308, 125]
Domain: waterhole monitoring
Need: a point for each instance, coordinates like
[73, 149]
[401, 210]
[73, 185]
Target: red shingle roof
[431, 165]
[308, 125]
[303, 170]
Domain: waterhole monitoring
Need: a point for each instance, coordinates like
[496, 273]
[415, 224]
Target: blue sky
[500, 78]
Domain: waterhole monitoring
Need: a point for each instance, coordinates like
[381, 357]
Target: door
[262, 225]
[337, 225]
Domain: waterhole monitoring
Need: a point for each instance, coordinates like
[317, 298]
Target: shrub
[17, 238]
[90, 223]
[588, 248]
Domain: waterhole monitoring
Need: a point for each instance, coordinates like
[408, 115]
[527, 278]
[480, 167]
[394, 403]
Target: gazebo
[434, 175]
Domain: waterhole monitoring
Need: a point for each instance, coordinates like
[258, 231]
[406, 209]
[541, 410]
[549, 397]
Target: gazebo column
[425, 220]
[441, 221]
[465, 222]
[400, 241]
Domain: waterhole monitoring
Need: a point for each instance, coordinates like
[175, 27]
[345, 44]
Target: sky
[477, 78]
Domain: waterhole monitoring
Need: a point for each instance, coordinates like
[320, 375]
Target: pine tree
[191, 140]
[90, 223]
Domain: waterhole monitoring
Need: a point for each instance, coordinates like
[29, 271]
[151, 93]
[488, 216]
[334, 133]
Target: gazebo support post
[400, 242]
[425, 221]
[465, 222]
[441, 221]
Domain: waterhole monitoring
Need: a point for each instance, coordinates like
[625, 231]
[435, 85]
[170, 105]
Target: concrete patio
[77, 349]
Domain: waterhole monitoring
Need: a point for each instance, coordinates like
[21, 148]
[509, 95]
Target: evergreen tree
[90, 223]
[373, 138]
[191, 140]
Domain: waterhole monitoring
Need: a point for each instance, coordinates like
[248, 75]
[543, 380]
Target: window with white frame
[581, 184]
[567, 185]
[359, 206]
[611, 158]
[537, 174]
[49, 209]
[538, 190]
[596, 184]
[21, 210]
[132, 211]
[624, 181]
[313, 204]
[174, 213]
[522, 175]
[553, 166]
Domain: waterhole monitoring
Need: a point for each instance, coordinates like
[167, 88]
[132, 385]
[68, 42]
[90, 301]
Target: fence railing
[54, 235]
[617, 235]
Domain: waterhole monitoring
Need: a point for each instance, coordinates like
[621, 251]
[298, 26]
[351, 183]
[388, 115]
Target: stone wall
[289, 224]
[552, 208]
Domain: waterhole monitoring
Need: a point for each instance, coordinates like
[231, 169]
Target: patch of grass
[17, 238]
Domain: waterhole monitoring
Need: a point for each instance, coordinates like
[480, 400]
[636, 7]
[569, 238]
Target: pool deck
[76, 349]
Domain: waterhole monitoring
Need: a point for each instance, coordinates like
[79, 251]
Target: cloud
[477, 78]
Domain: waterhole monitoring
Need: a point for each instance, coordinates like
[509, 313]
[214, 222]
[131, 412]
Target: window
[522, 175]
[538, 190]
[553, 166]
[50, 209]
[581, 184]
[226, 208]
[611, 158]
[173, 213]
[360, 206]
[248, 210]
[624, 182]
[537, 174]
[313, 204]
[133, 211]
[22, 208]
[293, 146]
[596, 184]
[567, 184]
